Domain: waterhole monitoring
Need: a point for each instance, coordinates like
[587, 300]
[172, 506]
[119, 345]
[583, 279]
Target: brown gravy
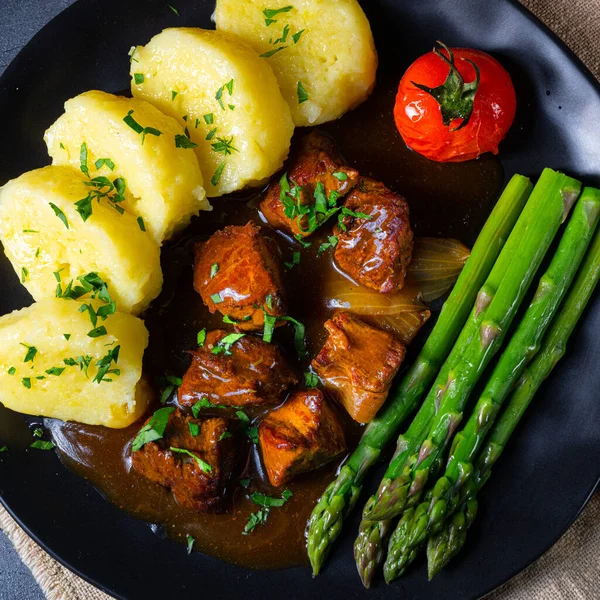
[450, 200]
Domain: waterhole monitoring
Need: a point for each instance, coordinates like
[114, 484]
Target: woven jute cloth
[570, 570]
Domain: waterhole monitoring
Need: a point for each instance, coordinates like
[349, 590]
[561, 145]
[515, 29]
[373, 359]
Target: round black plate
[550, 468]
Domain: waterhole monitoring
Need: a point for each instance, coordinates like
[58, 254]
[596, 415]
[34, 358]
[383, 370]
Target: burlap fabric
[571, 569]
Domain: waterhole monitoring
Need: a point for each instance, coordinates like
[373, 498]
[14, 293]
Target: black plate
[550, 468]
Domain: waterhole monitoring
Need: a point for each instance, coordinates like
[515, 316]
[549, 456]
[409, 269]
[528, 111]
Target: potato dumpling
[164, 184]
[321, 51]
[43, 233]
[84, 379]
[225, 95]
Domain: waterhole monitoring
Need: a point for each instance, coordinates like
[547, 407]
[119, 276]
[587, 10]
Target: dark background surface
[19, 21]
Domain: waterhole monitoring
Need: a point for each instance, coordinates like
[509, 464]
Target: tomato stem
[454, 96]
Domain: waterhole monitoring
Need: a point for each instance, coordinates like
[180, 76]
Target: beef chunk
[316, 161]
[249, 372]
[302, 435]
[194, 485]
[236, 273]
[359, 362]
[376, 251]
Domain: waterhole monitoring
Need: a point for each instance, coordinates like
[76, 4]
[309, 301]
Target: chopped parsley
[204, 466]
[173, 9]
[224, 436]
[105, 161]
[59, 213]
[24, 274]
[203, 403]
[272, 52]
[38, 432]
[82, 361]
[30, 231]
[12, 371]
[216, 298]
[214, 269]
[4, 449]
[30, 354]
[201, 337]
[224, 345]
[284, 35]
[208, 119]
[243, 417]
[97, 332]
[57, 371]
[255, 519]
[217, 176]
[102, 187]
[252, 433]
[340, 175]
[154, 429]
[245, 482]
[26, 381]
[299, 336]
[270, 501]
[219, 95]
[332, 243]
[296, 36]
[269, 13]
[194, 428]
[310, 379]
[105, 363]
[138, 78]
[183, 141]
[129, 120]
[42, 445]
[173, 95]
[269, 327]
[67, 336]
[350, 213]
[302, 94]
[295, 261]
[190, 543]
[140, 222]
[170, 384]
[211, 134]
[224, 146]
[83, 158]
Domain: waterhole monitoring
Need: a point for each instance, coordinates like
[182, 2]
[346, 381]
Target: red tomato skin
[418, 117]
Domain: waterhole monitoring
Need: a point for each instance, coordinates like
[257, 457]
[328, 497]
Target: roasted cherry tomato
[454, 104]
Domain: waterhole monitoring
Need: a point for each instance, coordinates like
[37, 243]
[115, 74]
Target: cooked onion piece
[227, 97]
[322, 52]
[435, 266]
[163, 183]
[404, 325]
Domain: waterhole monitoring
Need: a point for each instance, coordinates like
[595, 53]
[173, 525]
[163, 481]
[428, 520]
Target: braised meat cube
[358, 362]
[237, 274]
[301, 435]
[246, 372]
[195, 467]
[317, 161]
[375, 241]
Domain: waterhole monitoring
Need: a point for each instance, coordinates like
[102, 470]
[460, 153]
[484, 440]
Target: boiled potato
[43, 233]
[164, 182]
[322, 51]
[225, 95]
[36, 380]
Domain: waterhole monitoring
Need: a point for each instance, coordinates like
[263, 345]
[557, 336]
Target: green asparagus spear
[549, 204]
[443, 546]
[407, 540]
[341, 495]
[369, 547]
